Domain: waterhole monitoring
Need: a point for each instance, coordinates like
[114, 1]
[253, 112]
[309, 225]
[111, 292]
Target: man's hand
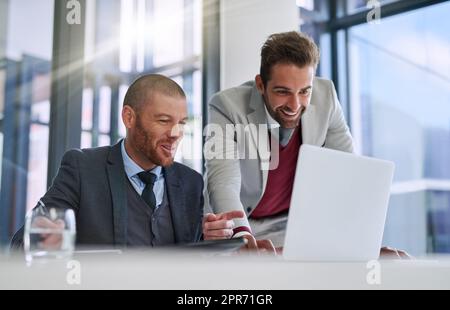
[391, 253]
[259, 246]
[220, 226]
[51, 240]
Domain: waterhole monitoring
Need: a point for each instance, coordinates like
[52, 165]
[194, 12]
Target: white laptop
[338, 206]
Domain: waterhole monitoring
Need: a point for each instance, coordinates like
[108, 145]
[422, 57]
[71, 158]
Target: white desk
[174, 270]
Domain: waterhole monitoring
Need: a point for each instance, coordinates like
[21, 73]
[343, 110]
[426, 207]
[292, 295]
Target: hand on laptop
[392, 253]
[220, 226]
[260, 246]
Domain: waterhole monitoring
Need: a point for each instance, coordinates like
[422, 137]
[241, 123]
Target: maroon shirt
[277, 195]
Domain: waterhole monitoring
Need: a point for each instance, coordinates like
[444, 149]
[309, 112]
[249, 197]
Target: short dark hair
[288, 48]
[141, 90]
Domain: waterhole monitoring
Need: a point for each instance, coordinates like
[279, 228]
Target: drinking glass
[49, 233]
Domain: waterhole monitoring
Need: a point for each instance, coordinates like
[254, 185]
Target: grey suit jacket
[92, 182]
[238, 184]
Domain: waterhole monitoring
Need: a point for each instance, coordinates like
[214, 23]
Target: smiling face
[155, 130]
[287, 93]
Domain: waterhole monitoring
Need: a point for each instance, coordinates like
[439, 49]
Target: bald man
[133, 193]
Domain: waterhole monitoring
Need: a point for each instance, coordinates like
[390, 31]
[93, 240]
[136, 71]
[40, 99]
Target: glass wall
[400, 95]
[123, 40]
[393, 81]
[25, 64]
[152, 36]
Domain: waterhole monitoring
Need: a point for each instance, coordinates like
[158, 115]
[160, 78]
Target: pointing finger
[231, 215]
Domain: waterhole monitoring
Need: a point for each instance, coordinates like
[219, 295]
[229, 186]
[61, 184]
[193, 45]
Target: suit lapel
[181, 218]
[309, 121]
[259, 117]
[308, 133]
[117, 183]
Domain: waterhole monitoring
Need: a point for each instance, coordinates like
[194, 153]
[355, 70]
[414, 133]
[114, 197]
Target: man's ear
[128, 116]
[259, 84]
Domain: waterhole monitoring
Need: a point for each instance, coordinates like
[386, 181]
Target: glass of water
[49, 233]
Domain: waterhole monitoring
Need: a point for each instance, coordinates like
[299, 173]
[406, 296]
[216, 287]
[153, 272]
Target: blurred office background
[62, 86]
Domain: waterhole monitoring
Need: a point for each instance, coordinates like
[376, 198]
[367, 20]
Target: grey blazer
[238, 184]
[92, 182]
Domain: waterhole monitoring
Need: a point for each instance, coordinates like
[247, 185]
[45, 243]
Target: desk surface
[194, 271]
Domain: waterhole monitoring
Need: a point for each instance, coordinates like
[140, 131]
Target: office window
[2, 107]
[122, 92]
[86, 118]
[190, 149]
[392, 80]
[152, 36]
[168, 19]
[399, 82]
[25, 65]
[123, 39]
[355, 6]
[104, 125]
[313, 15]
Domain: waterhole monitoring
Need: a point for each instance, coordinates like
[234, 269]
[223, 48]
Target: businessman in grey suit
[285, 106]
[133, 193]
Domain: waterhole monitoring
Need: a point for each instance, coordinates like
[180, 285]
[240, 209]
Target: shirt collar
[131, 168]
[271, 122]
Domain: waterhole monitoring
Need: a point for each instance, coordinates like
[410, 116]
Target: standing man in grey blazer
[286, 105]
[133, 193]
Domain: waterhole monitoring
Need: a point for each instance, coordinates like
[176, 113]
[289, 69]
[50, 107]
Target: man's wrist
[241, 231]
